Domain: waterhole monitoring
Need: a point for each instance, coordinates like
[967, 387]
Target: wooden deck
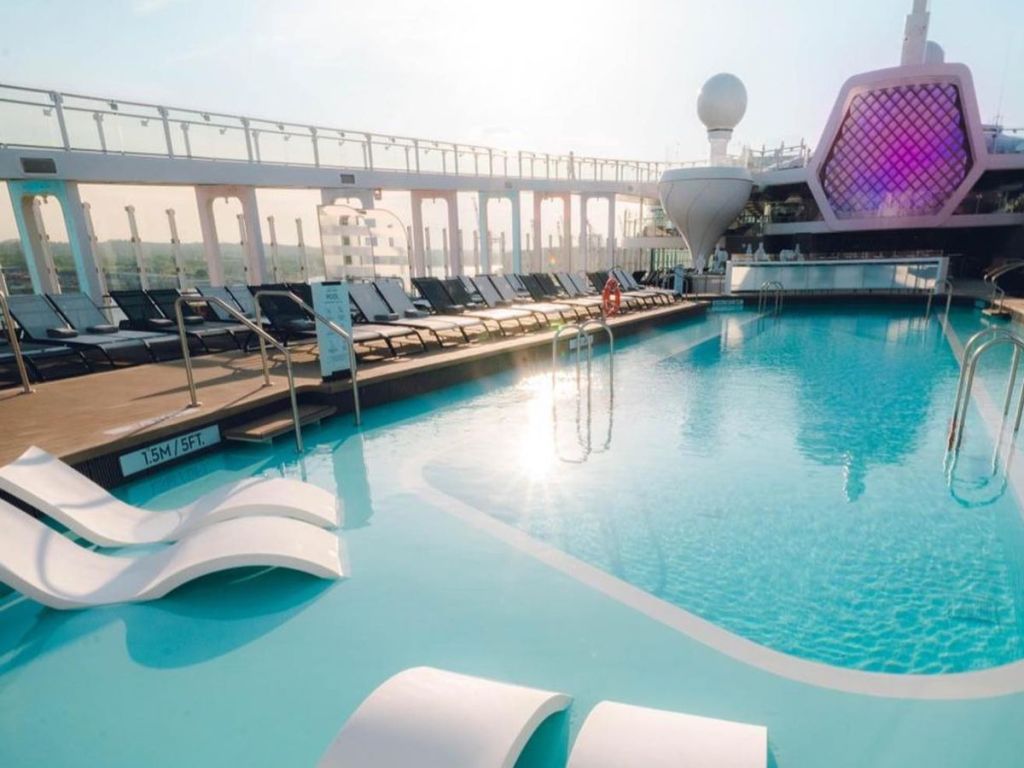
[104, 413]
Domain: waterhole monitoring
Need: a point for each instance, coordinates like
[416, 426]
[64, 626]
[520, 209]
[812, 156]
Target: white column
[419, 260]
[567, 224]
[538, 237]
[485, 233]
[90, 280]
[610, 251]
[584, 232]
[208, 227]
[454, 241]
[517, 250]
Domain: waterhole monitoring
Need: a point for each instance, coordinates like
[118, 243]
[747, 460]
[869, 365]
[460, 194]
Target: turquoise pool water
[737, 484]
[781, 479]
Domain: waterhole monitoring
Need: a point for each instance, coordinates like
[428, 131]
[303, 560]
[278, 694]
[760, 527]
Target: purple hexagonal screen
[900, 151]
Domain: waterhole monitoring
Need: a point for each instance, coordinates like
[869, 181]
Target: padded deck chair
[371, 305]
[431, 718]
[51, 569]
[291, 322]
[445, 302]
[630, 285]
[166, 298]
[41, 323]
[508, 293]
[493, 299]
[584, 288]
[51, 487]
[42, 362]
[583, 307]
[221, 292]
[547, 284]
[616, 735]
[143, 315]
[398, 301]
[85, 317]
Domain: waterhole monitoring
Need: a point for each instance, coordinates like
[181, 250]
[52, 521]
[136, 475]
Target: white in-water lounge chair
[430, 718]
[53, 570]
[620, 735]
[50, 486]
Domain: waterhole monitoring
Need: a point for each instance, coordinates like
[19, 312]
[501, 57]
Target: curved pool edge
[1003, 680]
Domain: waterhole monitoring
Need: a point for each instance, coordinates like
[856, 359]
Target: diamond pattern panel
[900, 151]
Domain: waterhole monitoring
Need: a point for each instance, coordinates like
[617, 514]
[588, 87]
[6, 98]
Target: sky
[608, 78]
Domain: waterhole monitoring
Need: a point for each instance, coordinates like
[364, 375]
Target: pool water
[782, 479]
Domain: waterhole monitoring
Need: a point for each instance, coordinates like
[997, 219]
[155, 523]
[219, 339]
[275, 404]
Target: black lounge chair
[143, 315]
[398, 301]
[41, 361]
[542, 314]
[452, 298]
[630, 284]
[41, 323]
[601, 279]
[85, 317]
[291, 322]
[541, 290]
[166, 300]
[565, 309]
[584, 287]
[371, 305]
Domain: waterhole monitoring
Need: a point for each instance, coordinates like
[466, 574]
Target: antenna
[915, 34]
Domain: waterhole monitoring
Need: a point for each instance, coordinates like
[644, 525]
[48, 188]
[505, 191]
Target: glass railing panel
[281, 143]
[28, 118]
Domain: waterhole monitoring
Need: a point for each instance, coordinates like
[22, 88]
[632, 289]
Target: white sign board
[331, 301]
[168, 450]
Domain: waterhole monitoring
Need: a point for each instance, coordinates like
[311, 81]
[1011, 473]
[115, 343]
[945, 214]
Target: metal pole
[186, 354]
[136, 242]
[179, 259]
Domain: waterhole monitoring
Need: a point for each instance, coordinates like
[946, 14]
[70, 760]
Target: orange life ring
[611, 297]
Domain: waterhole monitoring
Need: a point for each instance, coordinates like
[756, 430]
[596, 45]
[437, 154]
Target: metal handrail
[12, 339]
[775, 288]
[947, 288]
[581, 332]
[330, 325]
[254, 328]
[976, 346]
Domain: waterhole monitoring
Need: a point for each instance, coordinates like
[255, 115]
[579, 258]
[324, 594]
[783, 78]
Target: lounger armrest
[105, 328]
[193, 320]
[385, 317]
[416, 313]
[159, 323]
[61, 333]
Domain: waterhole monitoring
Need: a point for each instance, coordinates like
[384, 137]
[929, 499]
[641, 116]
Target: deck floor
[88, 416]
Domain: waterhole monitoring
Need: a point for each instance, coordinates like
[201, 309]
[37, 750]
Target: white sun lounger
[53, 570]
[619, 735]
[430, 718]
[50, 486]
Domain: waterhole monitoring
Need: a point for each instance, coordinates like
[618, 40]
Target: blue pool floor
[262, 668]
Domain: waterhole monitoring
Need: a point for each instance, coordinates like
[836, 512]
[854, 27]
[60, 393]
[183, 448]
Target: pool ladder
[770, 290]
[583, 338]
[974, 349]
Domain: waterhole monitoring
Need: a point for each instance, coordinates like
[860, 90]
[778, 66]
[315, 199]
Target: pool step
[265, 429]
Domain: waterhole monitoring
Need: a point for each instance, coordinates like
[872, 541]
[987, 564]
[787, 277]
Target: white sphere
[933, 53]
[722, 101]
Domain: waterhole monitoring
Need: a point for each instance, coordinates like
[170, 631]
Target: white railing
[36, 118]
[40, 119]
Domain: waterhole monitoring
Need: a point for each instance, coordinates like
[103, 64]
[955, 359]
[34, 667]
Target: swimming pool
[781, 479]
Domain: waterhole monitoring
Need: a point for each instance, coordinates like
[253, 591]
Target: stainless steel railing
[974, 349]
[585, 441]
[770, 288]
[947, 288]
[330, 325]
[261, 334]
[12, 339]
